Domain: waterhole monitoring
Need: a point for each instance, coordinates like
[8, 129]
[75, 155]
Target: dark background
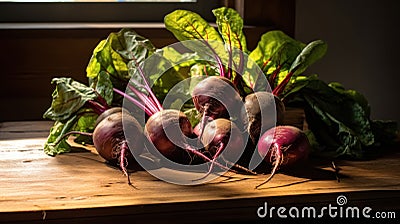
[363, 47]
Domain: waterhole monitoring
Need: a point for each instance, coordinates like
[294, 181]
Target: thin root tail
[278, 161]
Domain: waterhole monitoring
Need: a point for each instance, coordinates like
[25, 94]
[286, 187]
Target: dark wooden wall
[30, 58]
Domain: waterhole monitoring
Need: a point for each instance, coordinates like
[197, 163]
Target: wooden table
[80, 188]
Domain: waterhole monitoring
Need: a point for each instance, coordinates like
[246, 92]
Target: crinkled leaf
[68, 97]
[94, 66]
[83, 121]
[113, 54]
[103, 86]
[106, 58]
[182, 64]
[135, 46]
[59, 128]
[339, 123]
[355, 95]
[107, 68]
[69, 111]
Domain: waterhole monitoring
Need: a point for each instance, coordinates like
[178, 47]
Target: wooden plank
[81, 185]
[225, 211]
[24, 129]
[25, 126]
[295, 117]
[82, 180]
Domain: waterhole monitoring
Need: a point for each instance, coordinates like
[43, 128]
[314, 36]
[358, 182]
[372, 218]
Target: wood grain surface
[80, 187]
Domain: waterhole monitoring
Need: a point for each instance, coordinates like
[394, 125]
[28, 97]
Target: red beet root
[283, 146]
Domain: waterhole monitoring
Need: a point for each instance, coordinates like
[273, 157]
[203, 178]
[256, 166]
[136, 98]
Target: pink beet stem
[146, 85]
[134, 101]
[97, 107]
[145, 99]
[275, 75]
[217, 58]
[102, 101]
[279, 89]
[265, 64]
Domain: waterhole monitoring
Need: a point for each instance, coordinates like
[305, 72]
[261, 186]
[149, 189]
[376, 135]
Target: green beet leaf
[68, 97]
[175, 68]
[103, 86]
[230, 27]
[310, 54]
[339, 123]
[187, 25]
[70, 112]
[83, 121]
[112, 55]
[274, 48]
[197, 35]
[107, 68]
